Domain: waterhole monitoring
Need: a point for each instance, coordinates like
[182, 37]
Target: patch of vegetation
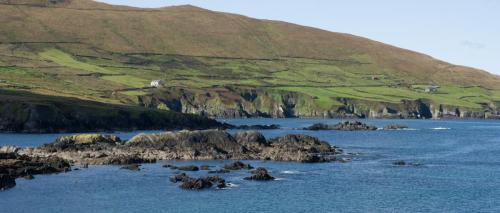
[64, 59]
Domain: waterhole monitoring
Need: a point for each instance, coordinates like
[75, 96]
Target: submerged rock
[179, 178]
[404, 163]
[260, 174]
[238, 165]
[132, 167]
[188, 168]
[219, 171]
[204, 167]
[399, 163]
[345, 126]
[395, 127]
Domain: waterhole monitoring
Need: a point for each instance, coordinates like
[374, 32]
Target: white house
[156, 83]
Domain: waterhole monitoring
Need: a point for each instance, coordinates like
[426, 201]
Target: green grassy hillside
[93, 51]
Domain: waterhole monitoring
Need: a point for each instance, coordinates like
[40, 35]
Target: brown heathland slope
[87, 27]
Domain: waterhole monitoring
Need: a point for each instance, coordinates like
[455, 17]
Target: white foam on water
[279, 179]
[232, 185]
[290, 172]
[441, 128]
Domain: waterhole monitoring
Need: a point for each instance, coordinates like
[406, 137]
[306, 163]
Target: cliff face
[43, 115]
[246, 103]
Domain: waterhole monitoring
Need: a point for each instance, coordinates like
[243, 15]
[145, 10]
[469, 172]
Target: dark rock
[29, 177]
[180, 178]
[251, 140]
[258, 127]
[260, 174]
[7, 181]
[395, 127]
[82, 142]
[345, 126]
[219, 171]
[132, 167]
[188, 145]
[26, 166]
[205, 167]
[399, 163]
[126, 160]
[189, 168]
[200, 183]
[300, 148]
[238, 165]
[167, 166]
[403, 163]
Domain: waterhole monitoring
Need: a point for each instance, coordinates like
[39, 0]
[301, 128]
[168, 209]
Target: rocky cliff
[41, 114]
[231, 102]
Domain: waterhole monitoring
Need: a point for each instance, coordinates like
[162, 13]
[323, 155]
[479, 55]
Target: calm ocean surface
[460, 172]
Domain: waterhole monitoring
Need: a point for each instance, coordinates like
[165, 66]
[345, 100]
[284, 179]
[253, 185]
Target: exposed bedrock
[14, 165]
[186, 145]
[228, 102]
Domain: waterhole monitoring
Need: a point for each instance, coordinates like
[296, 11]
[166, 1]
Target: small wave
[278, 179]
[440, 128]
[409, 129]
[232, 185]
[290, 172]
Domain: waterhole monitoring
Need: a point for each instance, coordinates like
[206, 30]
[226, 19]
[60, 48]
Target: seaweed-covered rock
[238, 165]
[200, 183]
[188, 168]
[132, 167]
[344, 126]
[301, 148]
[179, 178]
[203, 183]
[260, 174]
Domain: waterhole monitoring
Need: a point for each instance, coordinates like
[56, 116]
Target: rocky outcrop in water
[344, 126]
[198, 183]
[238, 165]
[14, 165]
[187, 145]
[260, 174]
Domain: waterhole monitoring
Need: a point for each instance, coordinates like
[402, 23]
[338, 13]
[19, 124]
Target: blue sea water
[459, 172]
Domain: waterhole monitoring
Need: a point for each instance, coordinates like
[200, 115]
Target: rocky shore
[186, 145]
[96, 149]
[14, 165]
[345, 126]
